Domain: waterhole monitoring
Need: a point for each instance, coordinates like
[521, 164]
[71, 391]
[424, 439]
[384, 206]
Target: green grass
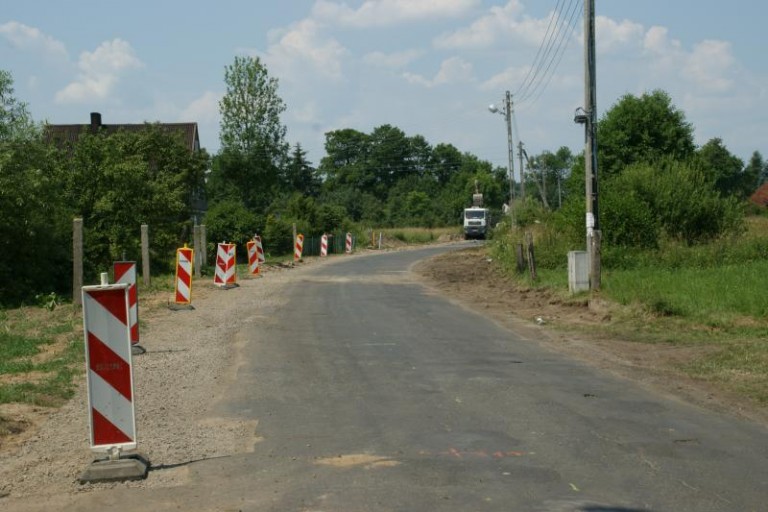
[40, 354]
[415, 236]
[712, 296]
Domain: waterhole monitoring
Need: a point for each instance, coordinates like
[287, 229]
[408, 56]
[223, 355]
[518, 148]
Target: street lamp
[506, 111]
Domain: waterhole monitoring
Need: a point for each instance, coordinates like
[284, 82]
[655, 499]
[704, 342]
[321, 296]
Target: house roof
[760, 197]
[67, 134]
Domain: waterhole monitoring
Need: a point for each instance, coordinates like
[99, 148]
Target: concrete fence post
[145, 253]
[77, 261]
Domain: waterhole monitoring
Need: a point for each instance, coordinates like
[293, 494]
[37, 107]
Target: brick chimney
[95, 122]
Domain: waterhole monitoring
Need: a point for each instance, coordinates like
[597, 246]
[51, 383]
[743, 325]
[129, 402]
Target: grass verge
[708, 298]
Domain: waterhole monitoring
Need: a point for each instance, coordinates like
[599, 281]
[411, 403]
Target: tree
[35, 231]
[250, 110]
[15, 122]
[116, 182]
[253, 147]
[644, 129]
[725, 170]
[300, 176]
[756, 169]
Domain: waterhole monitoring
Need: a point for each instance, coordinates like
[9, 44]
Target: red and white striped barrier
[110, 372]
[259, 250]
[348, 245]
[226, 274]
[324, 245]
[125, 272]
[253, 258]
[299, 249]
[184, 259]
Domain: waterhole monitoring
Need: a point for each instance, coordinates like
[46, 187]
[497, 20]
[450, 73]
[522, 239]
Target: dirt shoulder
[584, 329]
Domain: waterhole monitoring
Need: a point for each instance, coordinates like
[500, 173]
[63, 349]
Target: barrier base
[181, 307]
[227, 286]
[137, 350]
[130, 467]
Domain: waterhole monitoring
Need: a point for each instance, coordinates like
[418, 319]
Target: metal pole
[590, 152]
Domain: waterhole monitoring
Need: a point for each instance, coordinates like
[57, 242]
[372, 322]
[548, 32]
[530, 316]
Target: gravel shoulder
[191, 356]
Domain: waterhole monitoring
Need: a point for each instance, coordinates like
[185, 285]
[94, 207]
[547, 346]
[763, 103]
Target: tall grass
[414, 236]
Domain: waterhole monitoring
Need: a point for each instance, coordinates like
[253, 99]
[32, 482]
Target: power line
[554, 44]
[538, 52]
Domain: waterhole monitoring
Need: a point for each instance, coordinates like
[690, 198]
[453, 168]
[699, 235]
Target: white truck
[476, 219]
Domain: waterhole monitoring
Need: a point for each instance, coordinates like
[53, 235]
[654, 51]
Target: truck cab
[476, 222]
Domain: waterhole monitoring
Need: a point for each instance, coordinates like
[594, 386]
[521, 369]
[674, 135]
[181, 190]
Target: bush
[278, 236]
[230, 221]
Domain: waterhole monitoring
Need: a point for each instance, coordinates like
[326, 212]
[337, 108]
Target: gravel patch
[191, 357]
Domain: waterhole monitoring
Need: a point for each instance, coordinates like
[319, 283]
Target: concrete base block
[133, 467]
[137, 350]
[181, 307]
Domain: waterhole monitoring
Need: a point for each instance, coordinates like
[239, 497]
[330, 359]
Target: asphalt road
[374, 394]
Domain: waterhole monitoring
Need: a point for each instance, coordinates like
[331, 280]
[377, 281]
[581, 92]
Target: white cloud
[452, 71]
[25, 37]
[204, 109]
[709, 65]
[613, 36]
[392, 60]
[100, 71]
[378, 13]
[304, 45]
[486, 30]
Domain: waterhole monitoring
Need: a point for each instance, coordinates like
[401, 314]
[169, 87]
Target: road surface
[373, 393]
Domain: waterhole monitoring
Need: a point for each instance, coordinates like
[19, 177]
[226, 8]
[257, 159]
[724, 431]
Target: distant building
[760, 197]
[67, 135]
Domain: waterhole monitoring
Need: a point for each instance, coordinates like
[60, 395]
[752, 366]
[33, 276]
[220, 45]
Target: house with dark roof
[67, 135]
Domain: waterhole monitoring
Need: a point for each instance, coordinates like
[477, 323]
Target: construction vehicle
[476, 218]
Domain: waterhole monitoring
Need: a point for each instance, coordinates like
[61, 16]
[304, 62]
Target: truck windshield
[474, 214]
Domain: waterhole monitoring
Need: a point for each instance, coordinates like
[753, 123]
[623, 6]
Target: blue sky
[429, 67]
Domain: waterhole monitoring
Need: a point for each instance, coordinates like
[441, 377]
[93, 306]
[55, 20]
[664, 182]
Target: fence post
[145, 253]
[520, 258]
[77, 261]
[204, 244]
[531, 259]
[196, 250]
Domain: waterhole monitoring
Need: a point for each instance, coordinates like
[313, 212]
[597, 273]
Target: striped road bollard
[185, 256]
[259, 250]
[226, 271]
[253, 258]
[299, 247]
[324, 245]
[125, 272]
[348, 244]
[112, 418]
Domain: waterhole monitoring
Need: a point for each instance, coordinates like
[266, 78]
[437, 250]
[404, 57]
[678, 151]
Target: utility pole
[522, 169]
[590, 153]
[510, 147]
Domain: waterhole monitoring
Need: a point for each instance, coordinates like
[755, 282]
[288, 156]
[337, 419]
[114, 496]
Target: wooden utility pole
[510, 148]
[590, 150]
[522, 169]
